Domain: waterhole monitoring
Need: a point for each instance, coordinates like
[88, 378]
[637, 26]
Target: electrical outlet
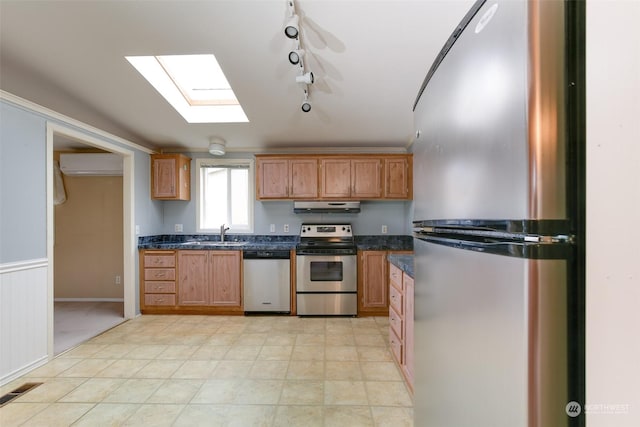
[178, 228]
[384, 229]
[286, 228]
[272, 228]
[118, 280]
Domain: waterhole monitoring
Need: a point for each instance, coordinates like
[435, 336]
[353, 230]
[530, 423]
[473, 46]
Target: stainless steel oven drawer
[327, 304]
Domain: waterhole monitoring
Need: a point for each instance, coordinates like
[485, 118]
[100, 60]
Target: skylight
[194, 85]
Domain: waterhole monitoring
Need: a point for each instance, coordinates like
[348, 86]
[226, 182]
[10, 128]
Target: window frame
[250, 192]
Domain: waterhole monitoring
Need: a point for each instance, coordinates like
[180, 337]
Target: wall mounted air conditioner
[88, 164]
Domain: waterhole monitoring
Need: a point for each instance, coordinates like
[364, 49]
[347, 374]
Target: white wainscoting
[23, 317]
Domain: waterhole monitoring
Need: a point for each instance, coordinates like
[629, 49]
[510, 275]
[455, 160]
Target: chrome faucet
[223, 229]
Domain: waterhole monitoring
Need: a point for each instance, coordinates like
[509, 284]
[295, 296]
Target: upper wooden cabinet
[287, 178]
[334, 177]
[170, 177]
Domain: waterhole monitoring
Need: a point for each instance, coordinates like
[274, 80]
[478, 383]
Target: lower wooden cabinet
[191, 281]
[401, 314]
[373, 282]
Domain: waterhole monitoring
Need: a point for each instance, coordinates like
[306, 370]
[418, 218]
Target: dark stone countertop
[403, 262]
[262, 242]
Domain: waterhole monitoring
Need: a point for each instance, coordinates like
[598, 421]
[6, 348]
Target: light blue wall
[23, 189]
[395, 215]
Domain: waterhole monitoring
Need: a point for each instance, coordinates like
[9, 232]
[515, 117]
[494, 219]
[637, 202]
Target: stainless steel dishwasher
[267, 281]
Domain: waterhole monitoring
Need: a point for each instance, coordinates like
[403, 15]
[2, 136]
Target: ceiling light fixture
[306, 104]
[306, 78]
[217, 146]
[292, 30]
[295, 56]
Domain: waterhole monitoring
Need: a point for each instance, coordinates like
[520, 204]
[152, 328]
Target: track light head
[295, 56]
[292, 30]
[306, 78]
[306, 106]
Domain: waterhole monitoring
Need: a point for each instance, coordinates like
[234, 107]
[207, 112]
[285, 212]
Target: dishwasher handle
[267, 254]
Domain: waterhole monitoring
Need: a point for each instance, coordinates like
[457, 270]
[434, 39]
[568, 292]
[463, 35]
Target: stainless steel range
[327, 283]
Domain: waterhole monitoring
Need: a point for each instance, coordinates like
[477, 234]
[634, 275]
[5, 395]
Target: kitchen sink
[212, 243]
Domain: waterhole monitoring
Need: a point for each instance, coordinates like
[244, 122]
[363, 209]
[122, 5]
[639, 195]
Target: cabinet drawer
[159, 260]
[395, 276]
[160, 287]
[159, 274]
[396, 346]
[395, 299]
[395, 321]
[159, 299]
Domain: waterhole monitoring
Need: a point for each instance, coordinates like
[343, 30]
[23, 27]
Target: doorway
[90, 245]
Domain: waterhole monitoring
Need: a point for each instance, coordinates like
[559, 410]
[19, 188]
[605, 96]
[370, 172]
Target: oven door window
[326, 271]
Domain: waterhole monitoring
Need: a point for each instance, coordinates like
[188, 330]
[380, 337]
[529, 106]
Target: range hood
[326, 207]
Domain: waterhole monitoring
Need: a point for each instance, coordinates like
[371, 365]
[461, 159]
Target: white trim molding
[11, 267]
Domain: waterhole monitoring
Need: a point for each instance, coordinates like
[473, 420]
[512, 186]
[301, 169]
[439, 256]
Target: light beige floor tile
[259, 392]
[202, 415]
[210, 352]
[233, 369]
[344, 393]
[251, 416]
[308, 352]
[114, 351]
[93, 390]
[370, 340]
[293, 416]
[392, 417]
[281, 339]
[86, 368]
[177, 352]
[176, 391]
[380, 371]
[154, 415]
[84, 350]
[341, 353]
[310, 339]
[122, 368]
[147, 351]
[59, 414]
[340, 339]
[243, 352]
[230, 328]
[217, 392]
[308, 392]
[305, 370]
[339, 370]
[221, 338]
[374, 354]
[107, 414]
[388, 393]
[275, 352]
[54, 367]
[251, 338]
[51, 390]
[196, 369]
[133, 391]
[269, 369]
[16, 413]
[352, 416]
[159, 369]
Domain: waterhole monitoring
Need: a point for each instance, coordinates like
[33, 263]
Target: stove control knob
[303, 230]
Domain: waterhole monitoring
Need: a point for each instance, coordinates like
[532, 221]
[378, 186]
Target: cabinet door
[164, 177]
[366, 178]
[374, 292]
[408, 361]
[224, 278]
[304, 178]
[335, 178]
[397, 173]
[192, 278]
[273, 178]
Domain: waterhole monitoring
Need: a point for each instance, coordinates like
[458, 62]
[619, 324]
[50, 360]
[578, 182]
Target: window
[225, 195]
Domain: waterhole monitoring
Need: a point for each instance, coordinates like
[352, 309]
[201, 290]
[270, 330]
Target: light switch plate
[384, 229]
[178, 228]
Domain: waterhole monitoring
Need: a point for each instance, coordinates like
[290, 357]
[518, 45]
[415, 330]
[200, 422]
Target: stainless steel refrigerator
[499, 220]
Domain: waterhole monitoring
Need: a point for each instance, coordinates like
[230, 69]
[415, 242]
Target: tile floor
[221, 371]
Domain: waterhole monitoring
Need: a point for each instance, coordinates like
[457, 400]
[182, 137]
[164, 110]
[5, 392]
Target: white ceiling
[369, 59]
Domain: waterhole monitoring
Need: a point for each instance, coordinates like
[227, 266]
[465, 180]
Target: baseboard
[24, 370]
[88, 300]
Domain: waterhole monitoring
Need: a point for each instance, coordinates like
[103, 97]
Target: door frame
[128, 227]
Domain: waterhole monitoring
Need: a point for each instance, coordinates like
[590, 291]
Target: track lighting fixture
[217, 146]
[292, 30]
[306, 104]
[295, 56]
[306, 78]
